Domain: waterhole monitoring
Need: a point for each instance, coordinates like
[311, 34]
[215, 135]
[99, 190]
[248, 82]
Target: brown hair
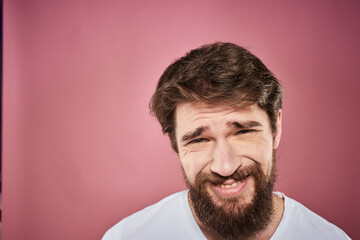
[219, 74]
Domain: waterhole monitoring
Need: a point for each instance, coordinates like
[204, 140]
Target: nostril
[224, 169]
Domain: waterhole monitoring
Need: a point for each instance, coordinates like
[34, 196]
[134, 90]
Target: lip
[230, 189]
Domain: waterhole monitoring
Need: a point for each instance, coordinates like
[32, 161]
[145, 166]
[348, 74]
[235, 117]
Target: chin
[237, 204]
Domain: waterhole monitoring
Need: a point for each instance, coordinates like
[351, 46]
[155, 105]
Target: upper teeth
[229, 185]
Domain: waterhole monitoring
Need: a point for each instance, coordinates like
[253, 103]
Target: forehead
[195, 113]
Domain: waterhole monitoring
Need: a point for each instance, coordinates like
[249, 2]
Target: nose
[224, 162]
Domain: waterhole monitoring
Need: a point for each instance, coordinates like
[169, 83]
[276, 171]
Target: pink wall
[80, 151]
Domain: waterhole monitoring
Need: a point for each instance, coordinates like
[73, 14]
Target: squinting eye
[198, 140]
[244, 131]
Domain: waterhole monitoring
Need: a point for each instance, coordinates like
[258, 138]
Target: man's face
[227, 157]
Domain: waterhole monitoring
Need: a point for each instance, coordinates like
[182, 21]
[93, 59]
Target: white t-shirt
[171, 218]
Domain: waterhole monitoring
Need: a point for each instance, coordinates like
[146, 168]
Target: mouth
[230, 188]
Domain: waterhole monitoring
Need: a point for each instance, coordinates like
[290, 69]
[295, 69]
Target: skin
[223, 139]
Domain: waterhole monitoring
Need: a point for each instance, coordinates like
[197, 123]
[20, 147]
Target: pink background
[80, 150]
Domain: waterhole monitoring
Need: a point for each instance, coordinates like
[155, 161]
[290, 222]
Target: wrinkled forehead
[193, 113]
[213, 106]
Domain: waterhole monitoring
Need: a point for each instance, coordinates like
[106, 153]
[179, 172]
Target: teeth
[229, 185]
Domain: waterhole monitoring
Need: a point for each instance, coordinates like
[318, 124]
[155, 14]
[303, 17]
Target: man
[221, 108]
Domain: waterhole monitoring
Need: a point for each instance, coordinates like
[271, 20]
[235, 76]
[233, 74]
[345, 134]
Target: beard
[234, 218]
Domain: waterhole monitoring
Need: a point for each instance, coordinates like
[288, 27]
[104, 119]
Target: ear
[277, 135]
[176, 152]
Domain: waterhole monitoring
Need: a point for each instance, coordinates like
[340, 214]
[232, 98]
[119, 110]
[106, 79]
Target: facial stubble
[231, 218]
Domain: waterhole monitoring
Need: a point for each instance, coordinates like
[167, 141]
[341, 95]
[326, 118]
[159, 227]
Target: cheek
[259, 151]
[264, 158]
[193, 163]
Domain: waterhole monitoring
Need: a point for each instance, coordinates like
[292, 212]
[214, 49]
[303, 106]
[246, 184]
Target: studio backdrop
[80, 150]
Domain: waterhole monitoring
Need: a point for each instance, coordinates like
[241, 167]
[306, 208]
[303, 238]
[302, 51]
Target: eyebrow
[245, 124]
[198, 131]
[194, 134]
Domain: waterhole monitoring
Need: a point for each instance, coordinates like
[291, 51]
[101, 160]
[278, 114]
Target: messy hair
[218, 74]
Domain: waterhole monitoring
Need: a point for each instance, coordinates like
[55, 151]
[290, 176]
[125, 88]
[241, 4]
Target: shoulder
[154, 222]
[161, 209]
[299, 222]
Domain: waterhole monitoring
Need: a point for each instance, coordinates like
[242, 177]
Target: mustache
[238, 175]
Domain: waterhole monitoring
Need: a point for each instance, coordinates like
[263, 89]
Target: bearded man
[222, 110]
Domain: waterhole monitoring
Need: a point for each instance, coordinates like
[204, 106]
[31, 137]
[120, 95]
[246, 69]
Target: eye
[198, 140]
[244, 131]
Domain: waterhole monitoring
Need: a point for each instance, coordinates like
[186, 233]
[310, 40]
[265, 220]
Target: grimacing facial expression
[222, 140]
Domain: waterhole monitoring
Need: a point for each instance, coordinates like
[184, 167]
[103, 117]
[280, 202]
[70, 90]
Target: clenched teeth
[229, 185]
